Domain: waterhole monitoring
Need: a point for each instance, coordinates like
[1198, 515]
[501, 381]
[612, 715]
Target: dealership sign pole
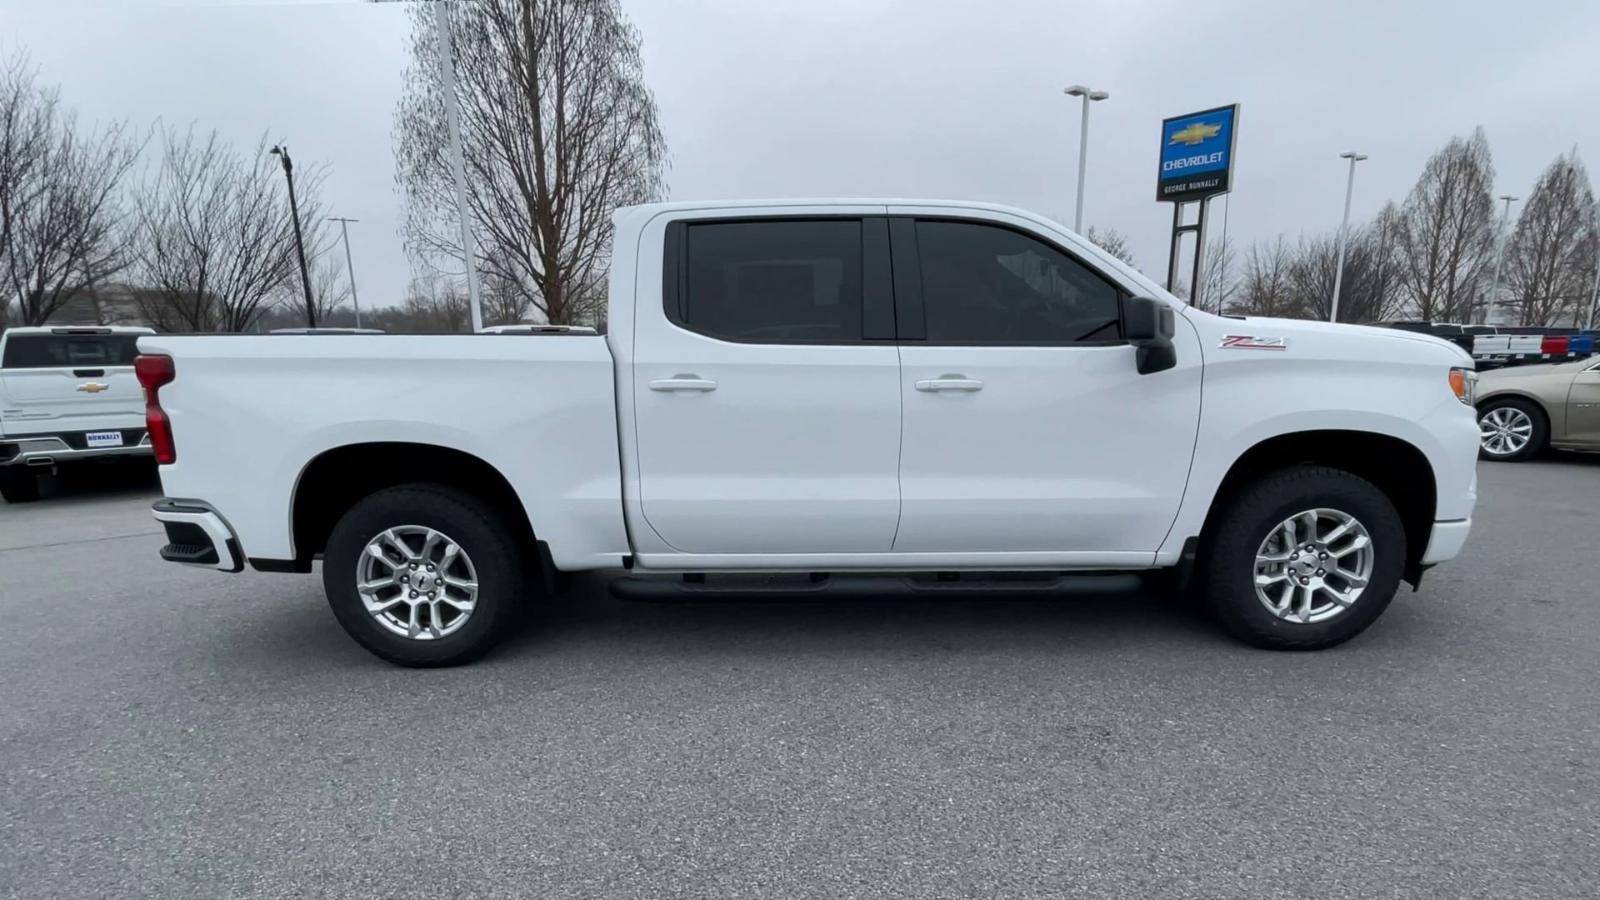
[1196, 164]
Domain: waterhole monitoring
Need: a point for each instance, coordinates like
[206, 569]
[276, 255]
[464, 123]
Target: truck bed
[250, 413]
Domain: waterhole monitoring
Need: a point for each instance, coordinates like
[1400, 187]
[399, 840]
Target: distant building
[113, 303]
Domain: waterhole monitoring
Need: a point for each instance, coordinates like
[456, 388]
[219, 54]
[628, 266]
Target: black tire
[1537, 442]
[482, 536]
[18, 485]
[1229, 559]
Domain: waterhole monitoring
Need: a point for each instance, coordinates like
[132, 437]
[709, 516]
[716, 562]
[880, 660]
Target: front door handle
[950, 383]
[683, 383]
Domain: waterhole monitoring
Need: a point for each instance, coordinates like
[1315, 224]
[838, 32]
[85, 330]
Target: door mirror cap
[1149, 326]
[1145, 320]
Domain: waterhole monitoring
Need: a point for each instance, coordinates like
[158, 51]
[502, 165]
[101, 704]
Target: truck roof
[673, 205]
[78, 329]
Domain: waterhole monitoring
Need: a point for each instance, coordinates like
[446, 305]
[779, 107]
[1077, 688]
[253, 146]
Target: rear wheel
[18, 485]
[423, 575]
[1304, 558]
[1511, 429]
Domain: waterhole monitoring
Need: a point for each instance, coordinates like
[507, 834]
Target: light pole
[282, 152]
[349, 267]
[458, 163]
[1344, 227]
[1078, 90]
[1500, 258]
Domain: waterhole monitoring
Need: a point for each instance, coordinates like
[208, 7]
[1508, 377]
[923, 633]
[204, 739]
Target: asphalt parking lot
[166, 732]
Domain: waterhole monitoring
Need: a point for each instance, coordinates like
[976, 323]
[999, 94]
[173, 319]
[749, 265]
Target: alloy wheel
[1505, 430]
[417, 582]
[1313, 566]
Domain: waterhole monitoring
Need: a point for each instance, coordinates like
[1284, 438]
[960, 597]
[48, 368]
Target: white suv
[66, 394]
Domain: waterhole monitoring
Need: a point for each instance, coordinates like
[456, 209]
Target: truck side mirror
[1148, 325]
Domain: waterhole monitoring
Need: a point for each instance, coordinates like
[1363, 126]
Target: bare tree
[1219, 275]
[1377, 296]
[213, 235]
[59, 198]
[559, 129]
[504, 301]
[433, 303]
[25, 112]
[1264, 288]
[1446, 235]
[1111, 241]
[330, 288]
[1312, 263]
[1551, 257]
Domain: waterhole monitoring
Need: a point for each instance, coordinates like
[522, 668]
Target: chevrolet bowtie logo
[93, 387]
[1195, 133]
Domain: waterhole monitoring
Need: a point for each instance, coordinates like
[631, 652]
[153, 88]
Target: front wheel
[1304, 558]
[1511, 429]
[423, 575]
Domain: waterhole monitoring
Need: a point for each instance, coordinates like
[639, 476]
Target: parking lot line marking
[109, 537]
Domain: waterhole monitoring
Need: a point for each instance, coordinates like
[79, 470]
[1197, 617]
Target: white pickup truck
[67, 394]
[826, 397]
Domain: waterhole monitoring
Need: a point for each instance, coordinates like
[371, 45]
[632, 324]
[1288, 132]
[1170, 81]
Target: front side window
[773, 281]
[986, 284]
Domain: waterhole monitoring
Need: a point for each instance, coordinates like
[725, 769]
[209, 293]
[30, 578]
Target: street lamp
[349, 267]
[458, 163]
[1500, 258]
[282, 153]
[1344, 224]
[1078, 90]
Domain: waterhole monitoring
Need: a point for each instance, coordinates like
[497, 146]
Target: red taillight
[1553, 344]
[153, 372]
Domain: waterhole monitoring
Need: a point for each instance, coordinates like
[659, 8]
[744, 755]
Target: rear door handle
[950, 383]
[683, 383]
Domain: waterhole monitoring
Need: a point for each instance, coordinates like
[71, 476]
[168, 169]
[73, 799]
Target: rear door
[71, 380]
[1027, 425]
[766, 387]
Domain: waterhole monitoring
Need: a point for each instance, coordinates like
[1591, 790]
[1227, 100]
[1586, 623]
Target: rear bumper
[1446, 541]
[44, 450]
[197, 535]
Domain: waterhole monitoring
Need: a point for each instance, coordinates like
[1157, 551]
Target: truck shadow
[1570, 457]
[588, 615]
[100, 480]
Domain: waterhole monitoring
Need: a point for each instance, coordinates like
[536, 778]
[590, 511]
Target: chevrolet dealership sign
[1197, 154]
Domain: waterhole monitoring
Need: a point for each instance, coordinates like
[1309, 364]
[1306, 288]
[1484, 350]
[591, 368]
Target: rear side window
[78, 351]
[984, 284]
[796, 281]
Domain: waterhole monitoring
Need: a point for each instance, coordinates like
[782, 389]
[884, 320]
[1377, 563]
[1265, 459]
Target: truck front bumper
[197, 535]
[1446, 541]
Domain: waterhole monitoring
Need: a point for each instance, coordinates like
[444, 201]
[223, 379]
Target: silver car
[1523, 409]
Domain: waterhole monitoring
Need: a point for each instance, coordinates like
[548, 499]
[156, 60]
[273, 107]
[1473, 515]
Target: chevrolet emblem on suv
[93, 387]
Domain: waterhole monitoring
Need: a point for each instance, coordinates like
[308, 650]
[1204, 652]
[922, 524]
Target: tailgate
[94, 389]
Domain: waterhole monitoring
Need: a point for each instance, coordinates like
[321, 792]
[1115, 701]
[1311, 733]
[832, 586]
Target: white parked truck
[826, 396]
[67, 394]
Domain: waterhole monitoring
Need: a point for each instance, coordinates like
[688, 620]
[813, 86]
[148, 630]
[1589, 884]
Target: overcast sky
[931, 98]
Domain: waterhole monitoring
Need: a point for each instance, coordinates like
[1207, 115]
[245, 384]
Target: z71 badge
[1253, 342]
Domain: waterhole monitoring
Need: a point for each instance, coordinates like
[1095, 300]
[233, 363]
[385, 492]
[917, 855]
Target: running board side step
[834, 586]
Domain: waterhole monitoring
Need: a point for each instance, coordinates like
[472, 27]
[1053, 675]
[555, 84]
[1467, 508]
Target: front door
[1583, 407]
[767, 389]
[1027, 426]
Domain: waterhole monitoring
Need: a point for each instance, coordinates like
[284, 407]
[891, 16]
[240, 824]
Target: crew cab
[67, 395]
[826, 396]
